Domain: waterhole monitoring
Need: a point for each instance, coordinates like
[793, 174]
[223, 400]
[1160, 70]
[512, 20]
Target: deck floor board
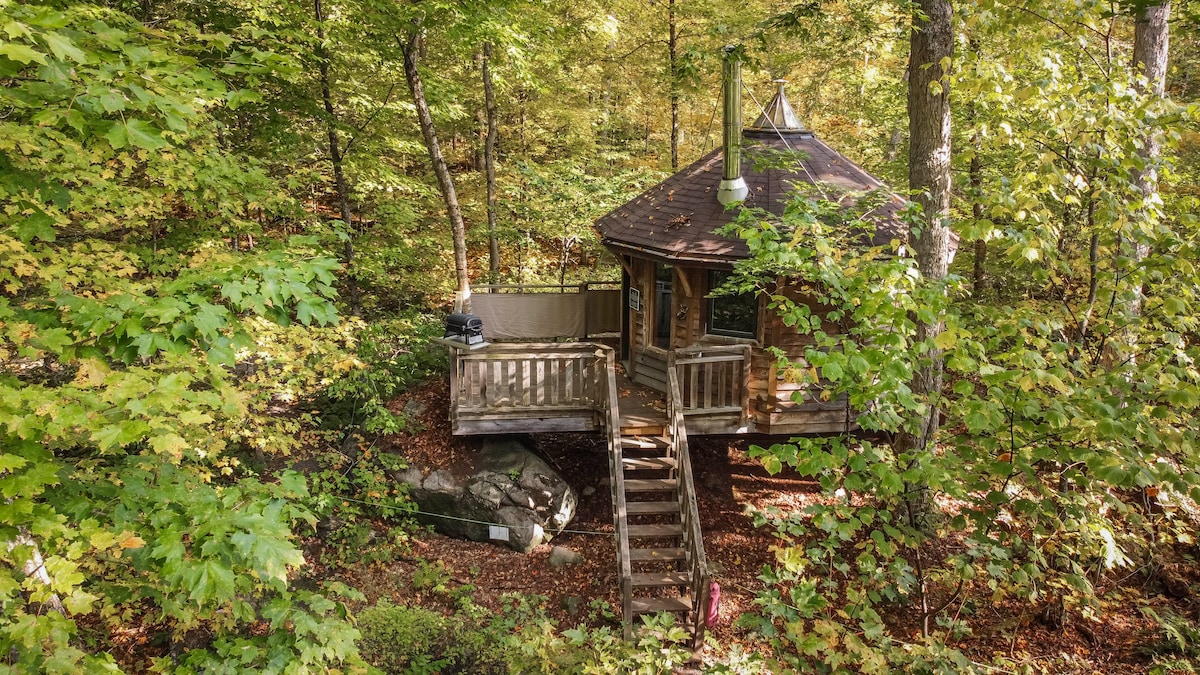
[641, 407]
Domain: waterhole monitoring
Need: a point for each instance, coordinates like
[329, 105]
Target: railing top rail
[719, 358]
[540, 288]
[681, 449]
[716, 349]
[529, 350]
[615, 456]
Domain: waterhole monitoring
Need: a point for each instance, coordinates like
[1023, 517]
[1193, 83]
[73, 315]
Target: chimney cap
[778, 115]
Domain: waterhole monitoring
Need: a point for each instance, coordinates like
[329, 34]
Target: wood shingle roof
[677, 219]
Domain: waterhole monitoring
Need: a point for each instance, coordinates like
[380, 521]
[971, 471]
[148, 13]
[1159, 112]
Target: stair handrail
[617, 472]
[693, 537]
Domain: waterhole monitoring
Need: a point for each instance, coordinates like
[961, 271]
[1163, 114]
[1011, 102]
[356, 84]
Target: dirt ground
[729, 483]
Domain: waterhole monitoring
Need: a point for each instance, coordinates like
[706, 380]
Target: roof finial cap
[778, 114]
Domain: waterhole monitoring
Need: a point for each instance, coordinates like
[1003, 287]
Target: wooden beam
[627, 266]
[683, 280]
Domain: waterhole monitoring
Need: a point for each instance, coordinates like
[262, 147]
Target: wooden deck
[555, 387]
[528, 388]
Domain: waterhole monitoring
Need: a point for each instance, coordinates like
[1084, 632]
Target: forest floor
[730, 486]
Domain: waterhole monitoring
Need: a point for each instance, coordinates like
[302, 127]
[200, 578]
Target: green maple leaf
[143, 135]
[112, 101]
[210, 319]
[210, 581]
[270, 556]
[168, 444]
[21, 53]
[11, 462]
[37, 225]
[117, 136]
[63, 48]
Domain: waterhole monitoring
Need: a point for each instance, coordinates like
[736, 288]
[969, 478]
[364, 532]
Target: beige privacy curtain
[510, 316]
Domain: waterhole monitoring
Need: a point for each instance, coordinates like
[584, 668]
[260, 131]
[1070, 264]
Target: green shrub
[1176, 646]
[355, 496]
[412, 640]
[392, 356]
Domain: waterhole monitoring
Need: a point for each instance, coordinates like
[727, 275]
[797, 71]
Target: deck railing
[563, 381]
[693, 539]
[713, 380]
[612, 424]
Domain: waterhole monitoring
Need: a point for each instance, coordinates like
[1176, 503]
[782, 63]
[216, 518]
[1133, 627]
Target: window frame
[710, 306]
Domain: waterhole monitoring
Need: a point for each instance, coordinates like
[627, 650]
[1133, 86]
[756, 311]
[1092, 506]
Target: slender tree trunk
[35, 566]
[893, 148]
[1151, 42]
[932, 44]
[335, 156]
[477, 159]
[673, 61]
[489, 161]
[412, 50]
[975, 177]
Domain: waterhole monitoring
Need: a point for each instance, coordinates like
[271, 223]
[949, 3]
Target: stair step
[656, 579]
[648, 463]
[656, 554]
[644, 442]
[651, 605]
[651, 485]
[650, 508]
[656, 530]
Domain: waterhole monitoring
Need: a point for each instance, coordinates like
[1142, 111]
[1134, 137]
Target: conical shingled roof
[676, 219]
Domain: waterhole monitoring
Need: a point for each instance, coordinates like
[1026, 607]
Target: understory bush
[519, 638]
[362, 508]
[391, 356]
[1175, 647]
[413, 640]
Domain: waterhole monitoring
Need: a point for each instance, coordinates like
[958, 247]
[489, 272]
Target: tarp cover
[511, 316]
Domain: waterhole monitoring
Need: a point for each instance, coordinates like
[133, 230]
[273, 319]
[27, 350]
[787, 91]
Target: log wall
[780, 401]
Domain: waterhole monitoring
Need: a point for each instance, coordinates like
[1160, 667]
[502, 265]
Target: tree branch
[370, 118]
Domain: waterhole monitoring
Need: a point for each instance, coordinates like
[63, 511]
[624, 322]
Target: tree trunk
[412, 50]
[673, 61]
[975, 177]
[35, 566]
[893, 148]
[335, 156]
[477, 160]
[1151, 38]
[932, 44]
[489, 161]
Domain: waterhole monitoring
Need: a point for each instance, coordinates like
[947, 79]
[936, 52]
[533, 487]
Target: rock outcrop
[505, 484]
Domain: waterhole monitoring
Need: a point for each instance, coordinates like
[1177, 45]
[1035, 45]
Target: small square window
[732, 315]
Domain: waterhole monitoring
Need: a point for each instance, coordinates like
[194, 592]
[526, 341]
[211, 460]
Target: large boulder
[504, 483]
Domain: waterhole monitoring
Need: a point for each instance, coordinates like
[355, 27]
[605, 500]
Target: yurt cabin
[673, 258]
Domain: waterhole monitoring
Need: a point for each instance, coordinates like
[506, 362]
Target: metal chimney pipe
[733, 187]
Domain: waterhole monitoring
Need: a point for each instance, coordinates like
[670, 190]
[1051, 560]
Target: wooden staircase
[660, 549]
[655, 526]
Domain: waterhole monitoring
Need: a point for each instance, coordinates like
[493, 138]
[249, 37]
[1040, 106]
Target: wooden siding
[787, 404]
[779, 402]
[691, 284]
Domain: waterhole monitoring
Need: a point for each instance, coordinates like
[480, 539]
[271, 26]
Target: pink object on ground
[714, 604]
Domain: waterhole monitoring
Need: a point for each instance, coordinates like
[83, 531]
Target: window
[664, 278]
[731, 315]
